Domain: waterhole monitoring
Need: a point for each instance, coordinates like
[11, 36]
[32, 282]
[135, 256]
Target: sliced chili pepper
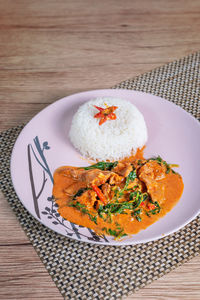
[112, 116]
[105, 114]
[99, 193]
[151, 206]
[103, 120]
[99, 108]
[98, 115]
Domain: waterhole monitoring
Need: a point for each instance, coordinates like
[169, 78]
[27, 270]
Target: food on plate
[122, 193]
[117, 198]
[105, 114]
[108, 129]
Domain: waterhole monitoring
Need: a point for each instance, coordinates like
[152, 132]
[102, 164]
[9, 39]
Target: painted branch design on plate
[51, 213]
[37, 152]
[43, 163]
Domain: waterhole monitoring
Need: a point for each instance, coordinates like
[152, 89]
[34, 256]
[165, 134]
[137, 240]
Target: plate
[43, 146]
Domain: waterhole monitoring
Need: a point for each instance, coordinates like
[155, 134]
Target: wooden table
[53, 48]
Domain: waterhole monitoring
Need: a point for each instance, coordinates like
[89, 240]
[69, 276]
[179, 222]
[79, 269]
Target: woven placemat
[88, 271]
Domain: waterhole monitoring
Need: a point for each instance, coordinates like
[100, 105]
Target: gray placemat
[88, 271]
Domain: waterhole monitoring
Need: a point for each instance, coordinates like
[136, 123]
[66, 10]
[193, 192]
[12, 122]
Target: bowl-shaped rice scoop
[114, 139]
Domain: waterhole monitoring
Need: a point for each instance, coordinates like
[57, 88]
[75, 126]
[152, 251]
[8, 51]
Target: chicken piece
[95, 176]
[72, 173]
[157, 191]
[123, 169]
[115, 179]
[106, 189]
[152, 171]
[138, 162]
[73, 188]
[152, 174]
[76, 173]
[88, 198]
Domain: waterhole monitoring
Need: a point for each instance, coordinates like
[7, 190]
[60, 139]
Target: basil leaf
[131, 176]
[104, 166]
[79, 193]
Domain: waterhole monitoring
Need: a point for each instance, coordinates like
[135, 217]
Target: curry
[117, 198]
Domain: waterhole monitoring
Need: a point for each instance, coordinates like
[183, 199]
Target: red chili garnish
[99, 193]
[151, 206]
[142, 204]
[105, 114]
[99, 108]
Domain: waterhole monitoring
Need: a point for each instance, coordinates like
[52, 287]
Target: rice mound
[113, 140]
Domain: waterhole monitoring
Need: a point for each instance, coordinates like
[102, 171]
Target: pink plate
[43, 146]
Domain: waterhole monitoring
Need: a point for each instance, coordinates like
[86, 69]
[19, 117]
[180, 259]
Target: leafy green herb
[131, 176]
[174, 165]
[77, 205]
[114, 208]
[137, 213]
[158, 159]
[115, 233]
[79, 193]
[145, 196]
[133, 195]
[105, 211]
[138, 218]
[82, 208]
[101, 211]
[168, 166]
[93, 218]
[139, 162]
[116, 192]
[167, 169]
[105, 166]
[154, 211]
[118, 226]
[119, 193]
[137, 197]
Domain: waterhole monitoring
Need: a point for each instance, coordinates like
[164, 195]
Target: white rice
[114, 139]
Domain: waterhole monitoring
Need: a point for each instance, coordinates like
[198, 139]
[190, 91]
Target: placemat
[88, 271]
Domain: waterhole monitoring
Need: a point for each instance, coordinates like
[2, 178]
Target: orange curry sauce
[121, 200]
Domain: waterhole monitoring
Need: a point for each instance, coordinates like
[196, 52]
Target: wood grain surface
[53, 48]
